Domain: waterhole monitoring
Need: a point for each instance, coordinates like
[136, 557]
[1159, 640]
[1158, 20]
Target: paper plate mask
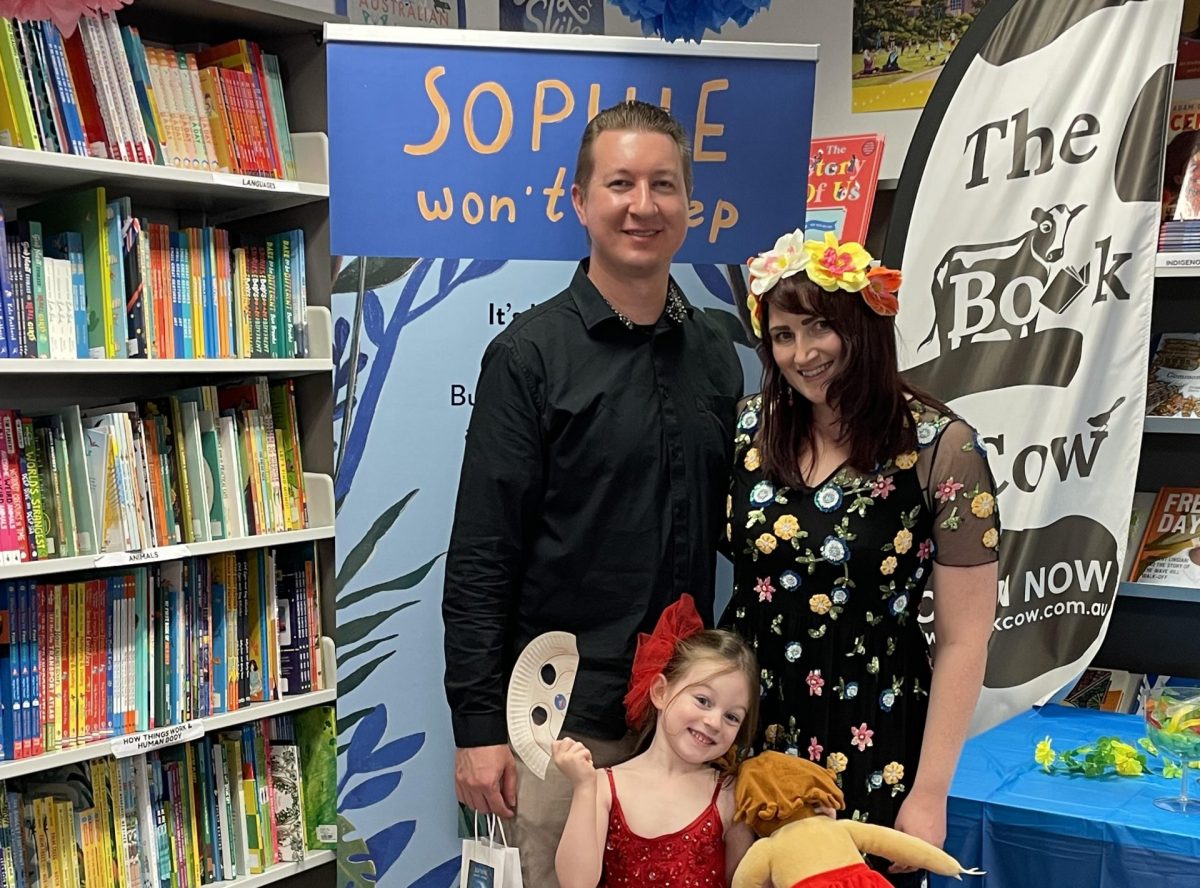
[538, 694]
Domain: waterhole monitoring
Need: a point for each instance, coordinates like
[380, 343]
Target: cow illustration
[985, 288]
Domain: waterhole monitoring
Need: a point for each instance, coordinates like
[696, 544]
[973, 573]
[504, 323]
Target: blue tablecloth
[1030, 829]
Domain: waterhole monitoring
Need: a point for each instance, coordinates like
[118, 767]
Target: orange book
[1169, 554]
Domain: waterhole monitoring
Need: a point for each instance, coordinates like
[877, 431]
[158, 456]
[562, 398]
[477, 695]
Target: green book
[316, 735]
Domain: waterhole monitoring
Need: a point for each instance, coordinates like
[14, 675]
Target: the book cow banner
[1026, 226]
[466, 148]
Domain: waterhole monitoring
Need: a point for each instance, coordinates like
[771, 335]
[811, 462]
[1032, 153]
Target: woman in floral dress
[853, 495]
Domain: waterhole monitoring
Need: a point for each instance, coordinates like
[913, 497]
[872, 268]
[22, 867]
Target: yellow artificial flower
[787, 527]
[1128, 767]
[983, 505]
[991, 537]
[903, 541]
[752, 459]
[906, 460]
[820, 604]
[833, 266]
[836, 762]
[766, 543]
[893, 773]
[889, 566]
[1044, 755]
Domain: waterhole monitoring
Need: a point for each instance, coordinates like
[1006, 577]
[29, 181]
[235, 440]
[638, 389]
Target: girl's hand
[923, 816]
[574, 760]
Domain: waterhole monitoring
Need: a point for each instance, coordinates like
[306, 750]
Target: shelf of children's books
[159, 738]
[263, 17]
[319, 499]
[27, 175]
[281, 871]
[1172, 425]
[1187, 594]
[273, 367]
[1168, 265]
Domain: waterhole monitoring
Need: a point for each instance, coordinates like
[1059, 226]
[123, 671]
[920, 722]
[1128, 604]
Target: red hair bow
[654, 652]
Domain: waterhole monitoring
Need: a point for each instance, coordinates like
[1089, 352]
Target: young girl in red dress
[665, 817]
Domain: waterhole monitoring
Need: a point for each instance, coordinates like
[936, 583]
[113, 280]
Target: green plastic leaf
[365, 548]
[405, 581]
[381, 271]
[355, 868]
[356, 630]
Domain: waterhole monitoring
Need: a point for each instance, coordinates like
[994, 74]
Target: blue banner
[468, 150]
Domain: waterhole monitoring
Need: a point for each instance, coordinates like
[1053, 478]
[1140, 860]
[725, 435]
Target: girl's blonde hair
[728, 653]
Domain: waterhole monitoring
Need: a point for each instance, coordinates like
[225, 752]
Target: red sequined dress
[693, 857]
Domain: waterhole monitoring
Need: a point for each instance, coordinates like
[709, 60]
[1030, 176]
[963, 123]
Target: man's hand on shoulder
[485, 779]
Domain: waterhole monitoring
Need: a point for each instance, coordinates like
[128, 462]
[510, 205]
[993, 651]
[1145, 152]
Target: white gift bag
[487, 863]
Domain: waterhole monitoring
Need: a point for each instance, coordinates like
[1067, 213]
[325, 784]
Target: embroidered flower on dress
[948, 490]
[893, 773]
[752, 460]
[793, 651]
[762, 493]
[882, 486]
[820, 604]
[840, 596]
[786, 527]
[851, 690]
[925, 550]
[815, 749]
[764, 589]
[926, 432]
[862, 737]
[903, 541]
[887, 699]
[816, 683]
[789, 580]
[875, 780]
[749, 421]
[837, 762]
[991, 537]
[834, 550]
[765, 544]
[906, 460]
[899, 604]
[889, 566]
[983, 505]
[828, 497]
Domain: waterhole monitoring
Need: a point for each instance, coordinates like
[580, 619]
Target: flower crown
[830, 265]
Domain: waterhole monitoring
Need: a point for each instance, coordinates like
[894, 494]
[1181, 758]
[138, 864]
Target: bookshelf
[248, 206]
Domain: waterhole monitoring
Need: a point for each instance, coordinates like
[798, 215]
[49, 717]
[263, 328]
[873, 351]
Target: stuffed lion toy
[777, 796]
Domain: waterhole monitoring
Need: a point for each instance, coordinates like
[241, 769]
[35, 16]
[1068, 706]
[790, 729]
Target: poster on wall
[418, 295]
[899, 48]
[552, 16]
[1030, 220]
[405, 13]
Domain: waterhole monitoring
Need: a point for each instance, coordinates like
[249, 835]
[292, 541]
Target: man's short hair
[633, 116]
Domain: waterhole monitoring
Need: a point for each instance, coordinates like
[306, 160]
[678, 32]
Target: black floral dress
[827, 587]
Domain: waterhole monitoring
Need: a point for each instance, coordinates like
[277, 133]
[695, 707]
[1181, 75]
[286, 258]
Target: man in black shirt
[594, 478]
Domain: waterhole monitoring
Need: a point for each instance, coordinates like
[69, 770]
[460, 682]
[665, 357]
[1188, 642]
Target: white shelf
[1172, 425]
[1168, 265]
[318, 490]
[282, 870]
[242, 716]
[269, 17]
[31, 175]
[1160, 593]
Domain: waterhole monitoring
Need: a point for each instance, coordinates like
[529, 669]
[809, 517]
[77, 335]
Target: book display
[167, 676]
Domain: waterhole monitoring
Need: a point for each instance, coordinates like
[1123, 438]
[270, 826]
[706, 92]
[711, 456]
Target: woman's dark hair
[868, 393]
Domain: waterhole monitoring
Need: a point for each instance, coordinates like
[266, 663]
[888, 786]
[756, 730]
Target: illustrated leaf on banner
[340, 410]
[729, 324]
[345, 657]
[714, 282]
[346, 722]
[389, 843]
[480, 268]
[406, 581]
[370, 792]
[343, 374]
[357, 630]
[444, 875]
[369, 733]
[341, 336]
[395, 753]
[365, 548]
[355, 868]
[373, 317]
[449, 268]
[359, 675]
[381, 271]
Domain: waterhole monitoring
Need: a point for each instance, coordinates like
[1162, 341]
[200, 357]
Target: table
[1030, 829]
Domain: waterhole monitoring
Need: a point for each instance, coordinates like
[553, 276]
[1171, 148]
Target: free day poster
[899, 47]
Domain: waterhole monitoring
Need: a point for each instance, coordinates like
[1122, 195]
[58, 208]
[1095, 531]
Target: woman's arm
[579, 861]
[965, 608]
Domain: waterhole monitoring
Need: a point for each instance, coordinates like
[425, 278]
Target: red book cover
[842, 174]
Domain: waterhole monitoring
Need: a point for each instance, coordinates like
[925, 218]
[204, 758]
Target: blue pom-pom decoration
[688, 19]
